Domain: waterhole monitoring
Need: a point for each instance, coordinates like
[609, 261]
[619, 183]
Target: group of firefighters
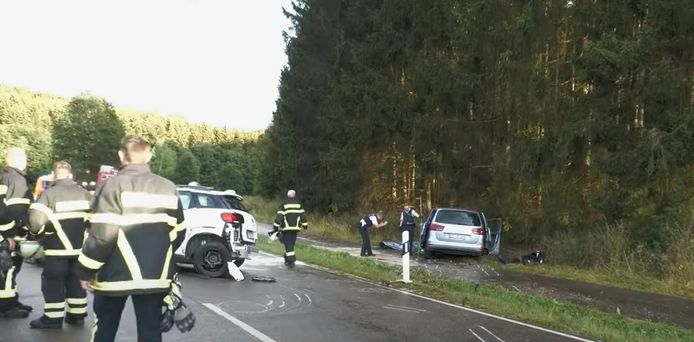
[117, 243]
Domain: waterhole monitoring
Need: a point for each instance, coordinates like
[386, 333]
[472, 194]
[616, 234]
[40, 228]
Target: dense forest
[560, 116]
[86, 131]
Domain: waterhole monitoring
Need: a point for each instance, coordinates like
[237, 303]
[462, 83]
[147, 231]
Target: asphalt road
[303, 305]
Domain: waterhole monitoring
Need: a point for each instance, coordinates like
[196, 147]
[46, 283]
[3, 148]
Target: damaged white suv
[219, 229]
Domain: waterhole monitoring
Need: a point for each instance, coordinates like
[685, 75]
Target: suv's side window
[185, 199]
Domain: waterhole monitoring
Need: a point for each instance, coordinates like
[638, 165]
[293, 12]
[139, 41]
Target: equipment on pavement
[30, 249]
[176, 311]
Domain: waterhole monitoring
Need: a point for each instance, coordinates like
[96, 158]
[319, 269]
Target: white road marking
[482, 313]
[309, 298]
[478, 337]
[399, 309]
[490, 333]
[407, 308]
[485, 272]
[297, 297]
[249, 329]
[282, 305]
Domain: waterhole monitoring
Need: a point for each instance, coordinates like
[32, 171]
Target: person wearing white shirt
[370, 220]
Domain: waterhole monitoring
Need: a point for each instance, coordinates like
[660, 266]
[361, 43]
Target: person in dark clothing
[290, 219]
[59, 217]
[407, 223]
[133, 232]
[368, 221]
[15, 198]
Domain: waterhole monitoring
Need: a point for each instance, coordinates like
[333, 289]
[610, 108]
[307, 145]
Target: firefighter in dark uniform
[134, 229]
[59, 218]
[290, 219]
[15, 198]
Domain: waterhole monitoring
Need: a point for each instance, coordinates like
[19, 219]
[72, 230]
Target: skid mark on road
[249, 329]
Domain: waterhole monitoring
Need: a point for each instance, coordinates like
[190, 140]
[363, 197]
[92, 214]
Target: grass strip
[546, 312]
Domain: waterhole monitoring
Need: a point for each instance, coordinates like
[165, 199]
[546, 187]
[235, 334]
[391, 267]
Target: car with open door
[459, 231]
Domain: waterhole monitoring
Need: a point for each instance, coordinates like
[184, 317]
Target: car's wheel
[428, 254]
[211, 259]
[238, 262]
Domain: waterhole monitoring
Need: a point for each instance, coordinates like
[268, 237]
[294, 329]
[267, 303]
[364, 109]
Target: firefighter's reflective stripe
[3, 189]
[167, 261]
[7, 226]
[76, 306]
[129, 257]
[133, 219]
[132, 285]
[42, 208]
[89, 262]
[13, 201]
[81, 205]
[292, 206]
[276, 224]
[94, 327]
[146, 200]
[60, 305]
[8, 279]
[305, 224]
[290, 253]
[61, 252]
[54, 310]
[291, 211]
[76, 301]
[8, 293]
[290, 228]
[62, 236]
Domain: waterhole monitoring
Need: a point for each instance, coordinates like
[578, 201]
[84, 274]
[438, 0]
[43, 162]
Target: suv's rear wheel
[211, 259]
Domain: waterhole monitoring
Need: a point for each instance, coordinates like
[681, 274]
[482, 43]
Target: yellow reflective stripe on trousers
[81, 205]
[61, 252]
[290, 253]
[13, 201]
[132, 219]
[96, 324]
[60, 305]
[129, 256]
[76, 301]
[56, 314]
[3, 189]
[89, 262]
[42, 208]
[132, 285]
[146, 200]
[8, 293]
[7, 226]
[77, 311]
[8, 279]
[61, 235]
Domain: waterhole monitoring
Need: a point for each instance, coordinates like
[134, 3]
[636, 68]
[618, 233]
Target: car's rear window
[235, 203]
[463, 218]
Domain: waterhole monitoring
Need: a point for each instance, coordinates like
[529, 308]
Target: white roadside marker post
[406, 257]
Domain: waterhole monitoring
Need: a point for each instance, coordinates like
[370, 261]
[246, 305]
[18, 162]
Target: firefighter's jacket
[59, 217]
[15, 198]
[134, 230]
[290, 216]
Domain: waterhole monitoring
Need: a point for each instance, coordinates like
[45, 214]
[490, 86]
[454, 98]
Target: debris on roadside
[536, 257]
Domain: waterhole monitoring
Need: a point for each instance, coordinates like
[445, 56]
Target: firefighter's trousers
[61, 289]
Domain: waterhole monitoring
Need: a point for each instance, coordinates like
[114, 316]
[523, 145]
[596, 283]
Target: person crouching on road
[290, 218]
[407, 223]
[368, 221]
[59, 217]
[15, 198]
[134, 230]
